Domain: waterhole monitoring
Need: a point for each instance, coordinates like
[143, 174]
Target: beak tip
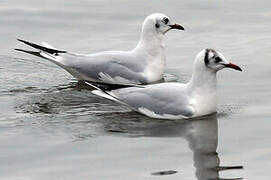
[181, 28]
[238, 68]
[233, 66]
[177, 26]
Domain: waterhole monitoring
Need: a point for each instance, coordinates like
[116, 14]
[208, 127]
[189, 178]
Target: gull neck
[150, 42]
[202, 79]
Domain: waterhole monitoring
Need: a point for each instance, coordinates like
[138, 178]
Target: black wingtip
[42, 48]
[21, 40]
[108, 87]
[20, 50]
[29, 52]
[25, 42]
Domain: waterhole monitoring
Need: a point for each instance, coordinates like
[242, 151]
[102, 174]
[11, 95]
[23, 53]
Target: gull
[173, 100]
[142, 65]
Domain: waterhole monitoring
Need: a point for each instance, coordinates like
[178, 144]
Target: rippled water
[51, 127]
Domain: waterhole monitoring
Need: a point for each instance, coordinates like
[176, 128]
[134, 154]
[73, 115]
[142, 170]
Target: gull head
[159, 23]
[214, 60]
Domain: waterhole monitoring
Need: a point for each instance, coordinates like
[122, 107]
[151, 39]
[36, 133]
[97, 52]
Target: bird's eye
[218, 59]
[165, 20]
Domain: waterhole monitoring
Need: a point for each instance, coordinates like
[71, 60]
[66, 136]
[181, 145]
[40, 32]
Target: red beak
[233, 66]
[176, 26]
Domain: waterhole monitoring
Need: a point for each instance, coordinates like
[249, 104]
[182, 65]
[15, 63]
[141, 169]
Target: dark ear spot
[206, 58]
[157, 25]
[217, 59]
[165, 20]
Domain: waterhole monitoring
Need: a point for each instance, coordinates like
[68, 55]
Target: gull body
[198, 97]
[142, 65]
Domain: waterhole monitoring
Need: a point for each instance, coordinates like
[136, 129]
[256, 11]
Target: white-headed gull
[142, 65]
[174, 100]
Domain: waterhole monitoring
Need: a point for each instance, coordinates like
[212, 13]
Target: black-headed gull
[142, 65]
[176, 100]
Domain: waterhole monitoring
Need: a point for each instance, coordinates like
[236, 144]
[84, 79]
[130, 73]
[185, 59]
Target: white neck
[202, 87]
[203, 79]
[150, 42]
[151, 50]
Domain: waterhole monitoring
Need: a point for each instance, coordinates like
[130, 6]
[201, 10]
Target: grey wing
[109, 67]
[166, 100]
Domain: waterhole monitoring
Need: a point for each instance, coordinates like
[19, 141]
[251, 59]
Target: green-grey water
[51, 127]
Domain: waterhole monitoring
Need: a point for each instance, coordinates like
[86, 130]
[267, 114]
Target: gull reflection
[201, 135]
[80, 112]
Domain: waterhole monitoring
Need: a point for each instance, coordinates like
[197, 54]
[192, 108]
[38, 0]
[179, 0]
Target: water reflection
[25, 83]
[201, 135]
[80, 113]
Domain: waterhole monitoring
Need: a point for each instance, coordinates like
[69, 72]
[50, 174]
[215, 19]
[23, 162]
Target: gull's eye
[165, 20]
[217, 59]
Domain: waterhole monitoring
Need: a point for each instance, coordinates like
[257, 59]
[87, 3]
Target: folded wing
[164, 100]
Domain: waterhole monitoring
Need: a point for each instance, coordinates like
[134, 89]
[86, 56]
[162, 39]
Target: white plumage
[176, 100]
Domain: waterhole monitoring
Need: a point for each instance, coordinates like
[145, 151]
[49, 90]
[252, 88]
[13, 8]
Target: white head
[213, 61]
[159, 24]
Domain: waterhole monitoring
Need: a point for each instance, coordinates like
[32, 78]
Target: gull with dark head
[174, 100]
[142, 65]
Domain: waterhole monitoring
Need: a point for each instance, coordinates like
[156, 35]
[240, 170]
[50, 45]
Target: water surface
[53, 128]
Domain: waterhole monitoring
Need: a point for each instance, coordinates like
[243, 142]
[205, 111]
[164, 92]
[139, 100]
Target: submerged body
[198, 97]
[142, 65]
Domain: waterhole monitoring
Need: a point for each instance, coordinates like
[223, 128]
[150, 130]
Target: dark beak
[233, 66]
[176, 26]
